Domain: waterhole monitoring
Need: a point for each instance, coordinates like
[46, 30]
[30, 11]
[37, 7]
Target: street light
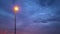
[16, 9]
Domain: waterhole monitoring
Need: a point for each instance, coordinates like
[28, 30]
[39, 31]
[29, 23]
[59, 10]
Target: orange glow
[16, 8]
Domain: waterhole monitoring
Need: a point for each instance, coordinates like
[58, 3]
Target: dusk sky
[33, 17]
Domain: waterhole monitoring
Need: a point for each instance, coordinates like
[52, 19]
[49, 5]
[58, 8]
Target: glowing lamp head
[16, 8]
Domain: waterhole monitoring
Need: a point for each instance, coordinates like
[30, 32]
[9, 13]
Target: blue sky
[42, 17]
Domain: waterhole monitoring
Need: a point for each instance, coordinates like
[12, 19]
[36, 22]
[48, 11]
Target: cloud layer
[34, 17]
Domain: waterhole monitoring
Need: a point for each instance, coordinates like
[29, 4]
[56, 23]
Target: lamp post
[16, 9]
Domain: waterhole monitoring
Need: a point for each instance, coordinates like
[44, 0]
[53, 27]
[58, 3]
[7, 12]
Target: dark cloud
[46, 2]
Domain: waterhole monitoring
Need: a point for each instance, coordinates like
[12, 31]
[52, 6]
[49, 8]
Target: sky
[33, 17]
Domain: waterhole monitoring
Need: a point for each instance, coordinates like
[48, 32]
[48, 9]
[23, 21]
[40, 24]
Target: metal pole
[15, 24]
[14, 19]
